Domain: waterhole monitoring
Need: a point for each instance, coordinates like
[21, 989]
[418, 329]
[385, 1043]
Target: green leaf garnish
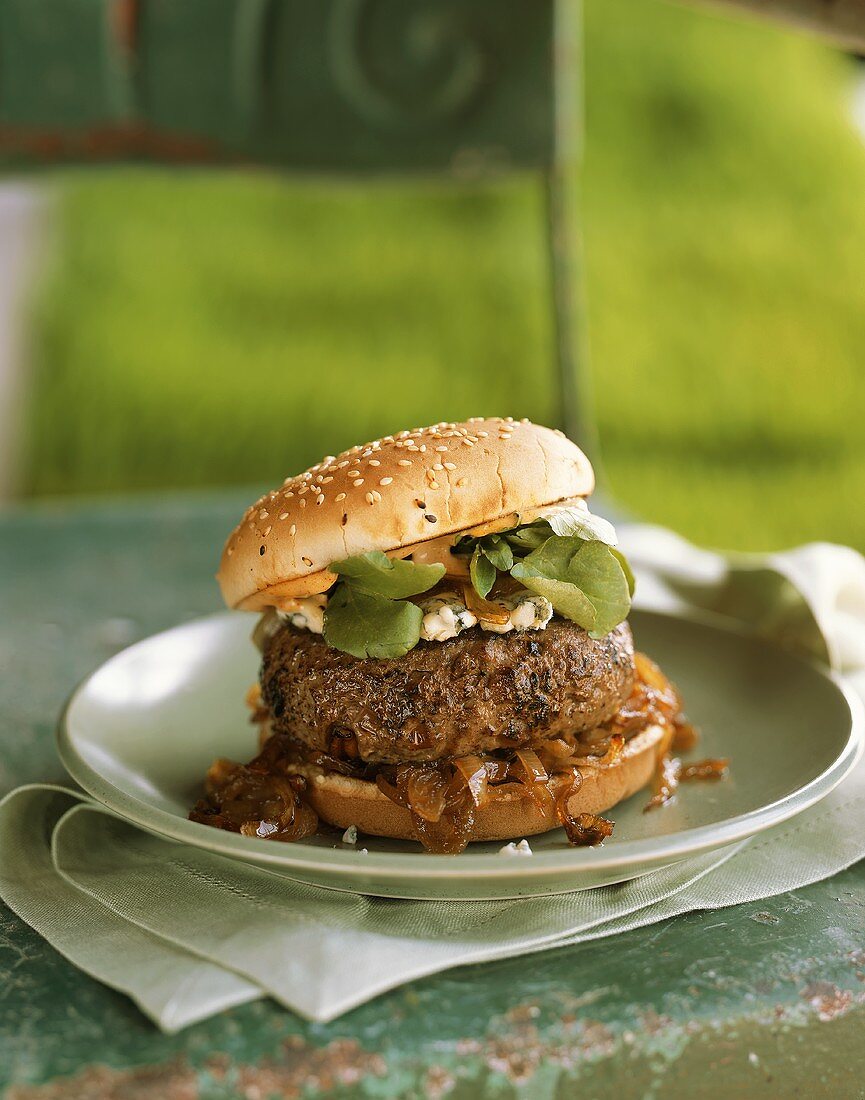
[496, 549]
[482, 572]
[583, 580]
[365, 624]
[626, 568]
[581, 523]
[565, 522]
[377, 574]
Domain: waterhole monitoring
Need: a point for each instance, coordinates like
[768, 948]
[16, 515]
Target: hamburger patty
[475, 693]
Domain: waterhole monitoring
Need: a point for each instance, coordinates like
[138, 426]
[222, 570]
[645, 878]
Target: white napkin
[187, 934]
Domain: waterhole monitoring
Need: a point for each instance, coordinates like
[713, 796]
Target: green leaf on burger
[566, 522]
[496, 550]
[365, 624]
[626, 569]
[583, 580]
[580, 522]
[377, 574]
[482, 572]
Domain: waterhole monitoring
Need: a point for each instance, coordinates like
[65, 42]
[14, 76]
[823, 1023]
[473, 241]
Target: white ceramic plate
[140, 733]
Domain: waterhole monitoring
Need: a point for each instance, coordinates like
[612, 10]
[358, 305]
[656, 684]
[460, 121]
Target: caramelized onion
[685, 736]
[666, 782]
[387, 788]
[474, 773]
[243, 800]
[425, 789]
[615, 748]
[704, 769]
[587, 830]
[497, 770]
[487, 610]
[534, 770]
[533, 775]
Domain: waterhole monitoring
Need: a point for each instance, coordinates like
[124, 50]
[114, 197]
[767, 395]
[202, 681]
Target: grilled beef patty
[475, 693]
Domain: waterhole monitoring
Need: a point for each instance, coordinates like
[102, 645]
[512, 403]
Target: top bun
[390, 495]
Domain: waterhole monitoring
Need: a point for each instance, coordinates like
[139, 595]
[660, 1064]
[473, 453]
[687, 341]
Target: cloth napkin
[187, 934]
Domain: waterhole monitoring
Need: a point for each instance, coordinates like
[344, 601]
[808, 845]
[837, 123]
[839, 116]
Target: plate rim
[351, 863]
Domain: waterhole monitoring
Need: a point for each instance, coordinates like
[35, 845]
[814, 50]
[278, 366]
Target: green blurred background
[214, 328]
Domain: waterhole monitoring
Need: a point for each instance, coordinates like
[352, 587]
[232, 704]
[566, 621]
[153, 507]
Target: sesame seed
[261, 550]
[431, 519]
[376, 495]
[438, 466]
[386, 481]
[320, 500]
[283, 515]
[483, 435]
[267, 531]
[262, 514]
[230, 551]
[306, 561]
[287, 495]
[421, 503]
[341, 465]
[468, 443]
[374, 462]
[320, 479]
[358, 481]
[302, 490]
[303, 502]
[404, 462]
[450, 465]
[441, 449]
[370, 499]
[433, 485]
[293, 529]
[327, 480]
[340, 496]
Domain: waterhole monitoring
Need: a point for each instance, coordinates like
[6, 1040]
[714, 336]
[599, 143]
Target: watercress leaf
[530, 537]
[546, 571]
[598, 573]
[482, 572]
[584, 581]
[626, 569]
[580, 523]
[368, 625]
[498, 552]
[565, 597]
[377, 574]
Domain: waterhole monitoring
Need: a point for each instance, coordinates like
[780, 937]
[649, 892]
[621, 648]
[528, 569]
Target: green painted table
[757, 1000]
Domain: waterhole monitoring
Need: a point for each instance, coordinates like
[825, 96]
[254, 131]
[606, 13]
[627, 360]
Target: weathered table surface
[764, 999]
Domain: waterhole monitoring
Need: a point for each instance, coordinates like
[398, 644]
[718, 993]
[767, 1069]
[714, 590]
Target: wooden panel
[335, 85]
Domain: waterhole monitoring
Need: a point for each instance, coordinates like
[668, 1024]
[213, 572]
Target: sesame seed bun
[342, 800]
[392, 494]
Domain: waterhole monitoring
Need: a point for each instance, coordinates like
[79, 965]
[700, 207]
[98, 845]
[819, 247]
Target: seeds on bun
[392, 493]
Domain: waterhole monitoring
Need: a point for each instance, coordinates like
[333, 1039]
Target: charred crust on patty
[474, 693]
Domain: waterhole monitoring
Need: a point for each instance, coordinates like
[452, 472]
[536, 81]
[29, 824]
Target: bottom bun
[342, 801]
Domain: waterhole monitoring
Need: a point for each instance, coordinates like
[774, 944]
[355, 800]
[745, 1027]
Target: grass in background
[213, 329]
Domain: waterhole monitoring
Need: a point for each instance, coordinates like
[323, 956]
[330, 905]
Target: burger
[445, 655]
